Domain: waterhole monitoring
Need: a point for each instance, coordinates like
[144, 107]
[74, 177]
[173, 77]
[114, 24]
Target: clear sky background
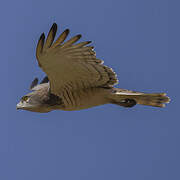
[140, 40]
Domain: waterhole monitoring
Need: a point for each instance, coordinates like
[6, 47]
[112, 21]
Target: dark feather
[52, 100]
[126, 103]
[45, 80]
[51, 36]
[34, 83]
[39, 48]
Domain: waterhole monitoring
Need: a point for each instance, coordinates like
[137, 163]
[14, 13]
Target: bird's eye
[25, 98]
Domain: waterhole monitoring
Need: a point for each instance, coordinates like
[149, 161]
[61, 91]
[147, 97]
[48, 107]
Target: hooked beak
[19, 105]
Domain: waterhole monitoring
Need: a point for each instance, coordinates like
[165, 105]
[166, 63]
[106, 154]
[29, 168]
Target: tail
[128, 98]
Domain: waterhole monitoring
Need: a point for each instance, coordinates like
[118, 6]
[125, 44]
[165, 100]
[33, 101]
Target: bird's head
[33, 102]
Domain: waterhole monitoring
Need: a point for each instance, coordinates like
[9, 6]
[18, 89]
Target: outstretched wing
[71, 66]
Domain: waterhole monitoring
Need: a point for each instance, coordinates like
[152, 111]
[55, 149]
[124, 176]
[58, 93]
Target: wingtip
[67, 31]
[53, 30]
[54, 24]
[54, 27]
[79, 36]
[42, 37]
[40, 45]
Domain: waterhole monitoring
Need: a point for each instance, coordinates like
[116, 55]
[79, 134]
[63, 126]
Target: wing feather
[39, 48]
[81, 44]
[72, 64]
[45, 80]
[71, 41]
[61, 38]
[34, 83]
[50, 37]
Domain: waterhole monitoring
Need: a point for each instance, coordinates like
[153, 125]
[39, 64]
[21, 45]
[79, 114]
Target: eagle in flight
[77, 80]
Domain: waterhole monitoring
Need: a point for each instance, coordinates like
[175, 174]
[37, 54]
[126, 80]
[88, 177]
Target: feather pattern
[64, 63]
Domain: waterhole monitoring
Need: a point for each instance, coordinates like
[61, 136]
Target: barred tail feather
[130, 98]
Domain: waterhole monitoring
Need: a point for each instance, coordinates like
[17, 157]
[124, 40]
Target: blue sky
[140, 40]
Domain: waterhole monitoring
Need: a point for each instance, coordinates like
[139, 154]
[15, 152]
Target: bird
[75, 79]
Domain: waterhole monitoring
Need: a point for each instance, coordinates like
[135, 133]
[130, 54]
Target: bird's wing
[71, 66]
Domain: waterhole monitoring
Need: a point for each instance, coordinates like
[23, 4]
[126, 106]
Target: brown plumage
[76, 79]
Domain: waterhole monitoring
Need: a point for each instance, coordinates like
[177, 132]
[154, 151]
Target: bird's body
[84, 99]
[77, 80]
